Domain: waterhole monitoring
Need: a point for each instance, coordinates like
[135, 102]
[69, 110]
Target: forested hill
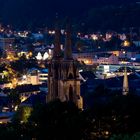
[92, 14]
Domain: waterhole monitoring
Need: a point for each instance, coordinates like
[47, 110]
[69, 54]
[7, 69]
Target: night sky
[17, 11]
[46, 7]
[52, 6]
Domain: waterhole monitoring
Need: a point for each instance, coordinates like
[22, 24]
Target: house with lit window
[87, 57]
[34, 76]
[106, 58]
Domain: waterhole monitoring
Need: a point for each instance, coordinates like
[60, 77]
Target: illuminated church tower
[125, 83]
[64, 81]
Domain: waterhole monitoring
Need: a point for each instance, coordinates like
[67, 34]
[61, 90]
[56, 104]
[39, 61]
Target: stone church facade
[63, 80]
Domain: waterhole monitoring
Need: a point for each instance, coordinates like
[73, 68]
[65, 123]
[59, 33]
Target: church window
[71, 93]
[70, 76]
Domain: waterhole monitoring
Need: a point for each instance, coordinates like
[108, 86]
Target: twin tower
[63, 80]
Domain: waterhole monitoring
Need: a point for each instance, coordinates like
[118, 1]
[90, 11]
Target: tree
[58, 120]
[22, 115]
[14, 98]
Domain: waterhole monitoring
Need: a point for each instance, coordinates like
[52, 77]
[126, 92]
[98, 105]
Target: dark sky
[52, 6]
[17, 11]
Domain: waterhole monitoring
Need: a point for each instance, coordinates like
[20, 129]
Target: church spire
[125, 83]
[68, 49]
[57, 48]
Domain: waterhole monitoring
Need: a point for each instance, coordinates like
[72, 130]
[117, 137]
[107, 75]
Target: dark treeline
[116, 119]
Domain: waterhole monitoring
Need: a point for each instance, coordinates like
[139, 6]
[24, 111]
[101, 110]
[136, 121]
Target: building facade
[63, 80]
[106, 58]
[6, 45]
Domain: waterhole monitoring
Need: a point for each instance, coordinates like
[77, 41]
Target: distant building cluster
[67, 65]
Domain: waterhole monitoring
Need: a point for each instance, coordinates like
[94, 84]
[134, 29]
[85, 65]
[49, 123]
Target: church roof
[106, 55]
[87, 75]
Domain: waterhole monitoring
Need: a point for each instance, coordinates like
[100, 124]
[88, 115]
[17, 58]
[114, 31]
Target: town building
[6, 46]
[106, 58]
[86, 58]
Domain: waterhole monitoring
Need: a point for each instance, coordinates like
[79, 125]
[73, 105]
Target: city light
[39, 56]
[126, 43]
[94, 37]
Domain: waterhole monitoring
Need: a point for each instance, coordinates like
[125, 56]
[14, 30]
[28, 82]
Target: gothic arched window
[71, 93]
[70, 76]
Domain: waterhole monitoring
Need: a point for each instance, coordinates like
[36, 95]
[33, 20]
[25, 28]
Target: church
[63, 80]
